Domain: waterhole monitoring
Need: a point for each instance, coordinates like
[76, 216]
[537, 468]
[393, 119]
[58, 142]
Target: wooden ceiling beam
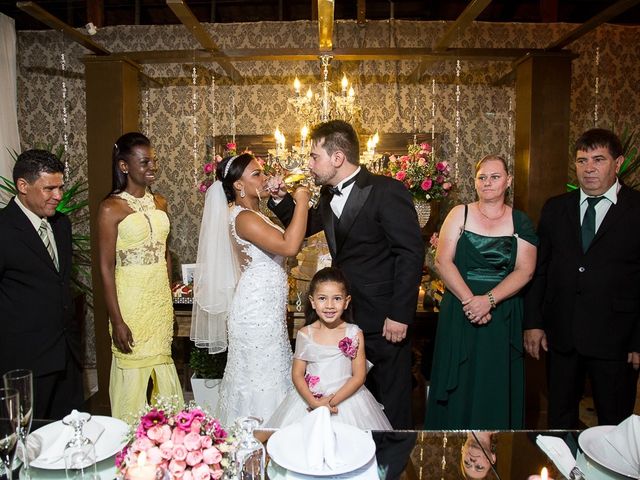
[607, 14]
[468, 15]
[189, 20]
[40, 14]
[311, 54]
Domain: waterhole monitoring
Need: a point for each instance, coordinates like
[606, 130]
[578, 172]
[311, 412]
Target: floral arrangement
[187, 442]
[349, 347]
[211, 163]
[433, 244]
[424, 177]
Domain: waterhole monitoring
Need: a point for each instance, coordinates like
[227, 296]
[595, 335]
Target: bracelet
[492, 300]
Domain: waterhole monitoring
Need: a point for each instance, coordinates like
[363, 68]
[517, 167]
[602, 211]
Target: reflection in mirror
[478, 455]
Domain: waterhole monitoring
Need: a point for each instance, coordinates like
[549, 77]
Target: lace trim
[142, 204]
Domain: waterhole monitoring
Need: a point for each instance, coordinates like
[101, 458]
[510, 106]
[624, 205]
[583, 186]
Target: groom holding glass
[373, 235]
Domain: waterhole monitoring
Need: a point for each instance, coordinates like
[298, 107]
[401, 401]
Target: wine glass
[250, 455]
[22, 381]
[9, 425]
[79, 453]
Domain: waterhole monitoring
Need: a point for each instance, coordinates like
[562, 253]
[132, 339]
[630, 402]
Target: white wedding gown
[258, 372]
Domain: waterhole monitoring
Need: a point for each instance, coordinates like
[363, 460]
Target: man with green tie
[583, 304]
[36, 315]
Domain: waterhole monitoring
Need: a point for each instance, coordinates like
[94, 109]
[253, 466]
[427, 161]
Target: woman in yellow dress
[136, 266]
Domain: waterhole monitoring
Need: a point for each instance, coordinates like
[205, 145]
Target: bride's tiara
[228, 166]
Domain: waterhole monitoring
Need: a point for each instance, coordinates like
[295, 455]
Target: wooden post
[543, 94]
[112, 109]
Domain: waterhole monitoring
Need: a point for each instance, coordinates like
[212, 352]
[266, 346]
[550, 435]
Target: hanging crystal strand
[433, 117]
[457, 145]
[415, 119]
[421, 455]
[213, 114]
[65, 114]
[145, 102]
[443, 462]
[233, 113]
[510, 159]
[194, 105]
[597, 88]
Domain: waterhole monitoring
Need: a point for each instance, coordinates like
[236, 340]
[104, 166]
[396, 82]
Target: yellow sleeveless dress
[144, 298]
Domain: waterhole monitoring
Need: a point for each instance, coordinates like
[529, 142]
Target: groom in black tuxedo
[583, 305]
[36, 318]
[374, 238]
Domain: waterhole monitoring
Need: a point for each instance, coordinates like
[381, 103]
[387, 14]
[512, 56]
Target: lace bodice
[142, 234]
[249, 255]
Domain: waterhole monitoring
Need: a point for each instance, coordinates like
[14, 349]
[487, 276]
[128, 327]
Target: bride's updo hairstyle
[233, 173]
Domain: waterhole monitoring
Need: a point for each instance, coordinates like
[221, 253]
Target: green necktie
[43, 231]
[589, 222]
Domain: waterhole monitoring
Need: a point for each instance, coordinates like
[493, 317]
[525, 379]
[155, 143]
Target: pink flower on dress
[312, 382]
[349, 347]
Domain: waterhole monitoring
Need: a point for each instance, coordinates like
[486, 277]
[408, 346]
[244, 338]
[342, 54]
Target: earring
[242, 193]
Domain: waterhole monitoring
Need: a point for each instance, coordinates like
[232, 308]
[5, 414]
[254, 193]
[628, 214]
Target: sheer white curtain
[9, 137]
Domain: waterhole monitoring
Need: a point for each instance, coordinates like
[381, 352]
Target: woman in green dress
[486, 254]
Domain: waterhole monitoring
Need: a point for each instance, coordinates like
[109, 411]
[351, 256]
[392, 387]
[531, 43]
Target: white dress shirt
[338, 201]
[36, 221]
[610, 197]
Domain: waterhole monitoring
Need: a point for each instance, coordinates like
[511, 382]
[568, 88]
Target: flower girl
[329, 364]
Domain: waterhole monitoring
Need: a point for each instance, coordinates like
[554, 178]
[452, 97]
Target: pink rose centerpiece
[424, 176]
[189, 444]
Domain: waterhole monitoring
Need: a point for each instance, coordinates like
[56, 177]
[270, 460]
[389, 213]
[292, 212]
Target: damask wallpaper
[609, 56]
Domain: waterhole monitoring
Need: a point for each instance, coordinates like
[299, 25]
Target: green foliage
[206, 365]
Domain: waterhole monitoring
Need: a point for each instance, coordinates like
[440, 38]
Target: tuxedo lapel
[29, 236]
[328, 221]
[357, 198]
[573, 214]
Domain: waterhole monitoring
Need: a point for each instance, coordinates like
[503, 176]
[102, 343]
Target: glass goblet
[250, 456]
[9, 425]
[79, 453]
[22, 381]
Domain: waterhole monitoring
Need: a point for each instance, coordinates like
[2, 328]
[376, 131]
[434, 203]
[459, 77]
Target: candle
[141, 471]
[352, 92]
[544, 474]
[296, 86]
[345, 84]
[303, 135]
[309, 94]
[421, 295]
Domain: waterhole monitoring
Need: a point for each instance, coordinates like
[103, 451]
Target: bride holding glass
[241, 287]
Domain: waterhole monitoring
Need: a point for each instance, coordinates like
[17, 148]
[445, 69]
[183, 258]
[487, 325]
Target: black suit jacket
[588, 301]
[35, 300]
[376, 243]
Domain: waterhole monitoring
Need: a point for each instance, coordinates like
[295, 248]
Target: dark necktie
[338, 190]
[589, 222]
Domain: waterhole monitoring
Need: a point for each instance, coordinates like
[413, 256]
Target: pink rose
[446, 185]
[141, 444]
[154, 455]
[194, 458]
[425, 147]
[167, 450]
[426, 184]
[441, 166]
[201, 472]
[216, 474]
[192, 441]
[312, 380]
[195, 426]
[440, 179]
[211, 455]
[401, 175]
[155, 433]
[177, 436]
[231, 146]
[422, 161]
[176, 467]
[218, 158]
[187, 475]
[208, 168]
[179, 452]
[203, 188]
[206, 441]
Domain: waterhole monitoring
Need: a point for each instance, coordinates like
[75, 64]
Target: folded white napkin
[558, 452]
[319, 440]
[55, 452]
[625, 439]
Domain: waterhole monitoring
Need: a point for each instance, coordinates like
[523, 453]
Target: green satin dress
[477, 378]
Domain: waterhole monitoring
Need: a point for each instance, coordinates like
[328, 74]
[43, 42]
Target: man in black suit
[374, 238]
[36, 318]
[583, 305]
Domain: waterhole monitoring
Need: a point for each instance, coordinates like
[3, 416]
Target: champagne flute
[9, 425]
[22, 381]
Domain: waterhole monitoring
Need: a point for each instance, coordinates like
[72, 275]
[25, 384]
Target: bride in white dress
[240, 289]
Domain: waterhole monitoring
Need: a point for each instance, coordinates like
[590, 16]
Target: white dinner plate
[112, 440]
[593, 443]
[355, 448]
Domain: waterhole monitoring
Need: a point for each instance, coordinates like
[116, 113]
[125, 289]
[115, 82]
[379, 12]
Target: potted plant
[207, 374]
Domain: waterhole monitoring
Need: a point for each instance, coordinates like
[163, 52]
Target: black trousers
[57, 393]
[613, 383]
